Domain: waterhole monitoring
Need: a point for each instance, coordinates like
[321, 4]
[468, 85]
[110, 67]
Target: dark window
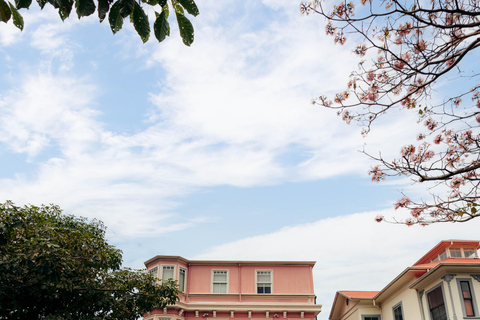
[467, 298]
[264, 282]
[397, 312]
[436, 304]
[371, 318]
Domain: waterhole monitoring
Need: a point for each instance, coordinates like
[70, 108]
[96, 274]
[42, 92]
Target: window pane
[469, 253]
[219, 276]
[219, 288]
[167, 273]
[456, 253]
[181, 280]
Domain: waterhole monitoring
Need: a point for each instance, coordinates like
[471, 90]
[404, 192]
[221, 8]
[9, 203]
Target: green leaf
[178, 8]
[84, 8]
[420, 111]
[126, 7]
[103, 7]
[140, 22]
[17, 17]
[115, 19]
[23, 4]
[5, 12]
[42, 3]
[151, 2]
[190, 6]
[473, 210]
[186, 29]
[161, 28]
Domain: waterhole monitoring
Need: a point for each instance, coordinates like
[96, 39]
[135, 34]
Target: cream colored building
[443, 285]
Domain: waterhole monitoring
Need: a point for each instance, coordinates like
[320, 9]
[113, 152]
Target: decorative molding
[196, 313]
[249, 314]
[180, 312]
[448, 277]
[267, 314]
[284, 314]
[302, 314]
[164, 310]
[232, 314]
[476, 277]
[214, 314]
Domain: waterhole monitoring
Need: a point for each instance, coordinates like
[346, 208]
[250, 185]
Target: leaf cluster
[117, 11]
[56, 266]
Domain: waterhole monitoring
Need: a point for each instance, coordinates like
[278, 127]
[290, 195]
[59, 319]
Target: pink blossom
[377, 174]
[403, 202]
[438, 139]
[428, 155]
[407, 150]
[379, 218]
[478, 117]
[420, 46]
[430, 124]
[456, 182]
[370, 76]
[361, 49]
[416, 212]
[420, 136]
[409, 222]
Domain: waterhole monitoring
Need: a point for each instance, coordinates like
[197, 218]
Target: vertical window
[469, 253]
[220, 281]
[181, 279]
[442, 256]
[398, 312]
[456, 253]
[467, 298]
[436, 304]
[264, 281]
[168, 273]
[153, 272]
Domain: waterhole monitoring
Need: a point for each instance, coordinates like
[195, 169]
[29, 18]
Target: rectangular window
[264, 282]
[153, 272]
[220, 281]
[181, 279]
[467, 298]
[469, 253]
[370, 317]
[168, 273]
[436, 304]
[442, 256]
[397, 312]
[456, 253]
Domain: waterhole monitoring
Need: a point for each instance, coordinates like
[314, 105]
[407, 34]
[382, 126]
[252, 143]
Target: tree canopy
[117, 11]
[56, 266]
[407, 48]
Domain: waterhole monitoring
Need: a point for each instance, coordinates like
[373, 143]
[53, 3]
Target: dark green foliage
[140, 22]
[119, 10]
[55, 266]
[161, 26]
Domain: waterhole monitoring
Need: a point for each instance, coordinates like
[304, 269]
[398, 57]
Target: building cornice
[228, 262]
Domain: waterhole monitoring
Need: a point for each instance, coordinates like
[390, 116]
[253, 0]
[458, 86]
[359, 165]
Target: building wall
[408, 298]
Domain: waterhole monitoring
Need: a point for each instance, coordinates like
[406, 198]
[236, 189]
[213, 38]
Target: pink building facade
[230, 290]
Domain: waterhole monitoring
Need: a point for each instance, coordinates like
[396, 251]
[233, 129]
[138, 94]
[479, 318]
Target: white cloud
[352, 252]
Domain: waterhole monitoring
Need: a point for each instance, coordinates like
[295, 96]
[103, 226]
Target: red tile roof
[449, 260]
[359, 294]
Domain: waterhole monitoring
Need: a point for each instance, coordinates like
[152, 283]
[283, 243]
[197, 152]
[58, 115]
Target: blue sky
[209, 152]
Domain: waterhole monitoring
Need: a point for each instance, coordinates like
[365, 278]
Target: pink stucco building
[229, 290]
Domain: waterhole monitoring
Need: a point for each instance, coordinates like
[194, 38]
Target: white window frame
[151, 271]
[271, 280]
[169, 266]
[227, 290]
[184, 279]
